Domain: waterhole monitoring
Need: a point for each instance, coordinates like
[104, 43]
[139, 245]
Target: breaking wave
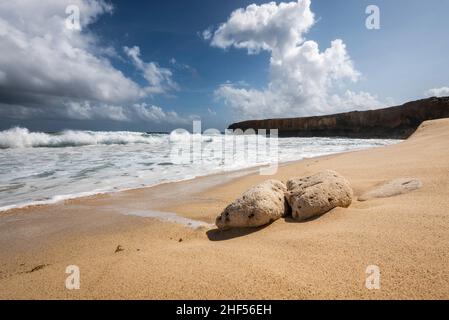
[23, 138]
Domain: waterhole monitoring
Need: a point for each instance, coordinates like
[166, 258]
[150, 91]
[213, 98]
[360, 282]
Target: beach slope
[130, 256]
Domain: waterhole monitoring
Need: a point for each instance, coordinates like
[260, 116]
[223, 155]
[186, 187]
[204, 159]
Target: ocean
[40, 168]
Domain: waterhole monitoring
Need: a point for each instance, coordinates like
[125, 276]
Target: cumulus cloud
[266, 27]
[438, 92]
[39, 55]
[301, 76]
[153, 113]
[48, 70]
[86, 110]
[159, 79]
[362, 100]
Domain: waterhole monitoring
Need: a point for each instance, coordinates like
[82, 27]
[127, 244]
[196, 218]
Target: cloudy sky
[157, 65]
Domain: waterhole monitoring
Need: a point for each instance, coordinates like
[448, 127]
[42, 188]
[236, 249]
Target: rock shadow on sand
[224, 235]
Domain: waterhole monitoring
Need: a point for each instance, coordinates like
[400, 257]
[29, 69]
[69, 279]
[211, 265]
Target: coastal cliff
[395, 122]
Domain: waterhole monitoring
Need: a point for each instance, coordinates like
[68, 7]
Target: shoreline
[406, 236]
[10, 209]
[93, 194]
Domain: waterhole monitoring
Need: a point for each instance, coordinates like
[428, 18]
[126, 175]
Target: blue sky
[401, 61]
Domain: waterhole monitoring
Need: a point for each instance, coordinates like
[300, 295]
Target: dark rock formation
[394, 123]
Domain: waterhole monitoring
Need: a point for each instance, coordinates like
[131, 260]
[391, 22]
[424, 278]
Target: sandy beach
[326, 258]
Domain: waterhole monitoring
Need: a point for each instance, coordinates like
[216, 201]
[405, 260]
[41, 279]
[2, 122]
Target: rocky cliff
[395, 122]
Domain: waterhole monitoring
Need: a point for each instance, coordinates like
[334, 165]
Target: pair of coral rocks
[271, 200]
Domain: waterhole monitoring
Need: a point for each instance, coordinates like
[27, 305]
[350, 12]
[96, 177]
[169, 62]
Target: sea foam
[40, 168]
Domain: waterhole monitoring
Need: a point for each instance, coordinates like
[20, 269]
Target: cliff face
[394, 123]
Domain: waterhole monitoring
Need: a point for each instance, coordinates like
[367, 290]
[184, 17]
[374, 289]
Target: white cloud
[301, 77]
[159, 79]
[86, 111]
[207, 34]
[438, 92]
[266, 27]
[155, 114]
[350, 101]
[48, 70]
[137, 112]
[40, 55]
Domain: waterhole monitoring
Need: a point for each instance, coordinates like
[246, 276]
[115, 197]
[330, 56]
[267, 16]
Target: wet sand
[406, 236]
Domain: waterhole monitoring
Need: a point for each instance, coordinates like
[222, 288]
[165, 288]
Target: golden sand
[406, 236]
